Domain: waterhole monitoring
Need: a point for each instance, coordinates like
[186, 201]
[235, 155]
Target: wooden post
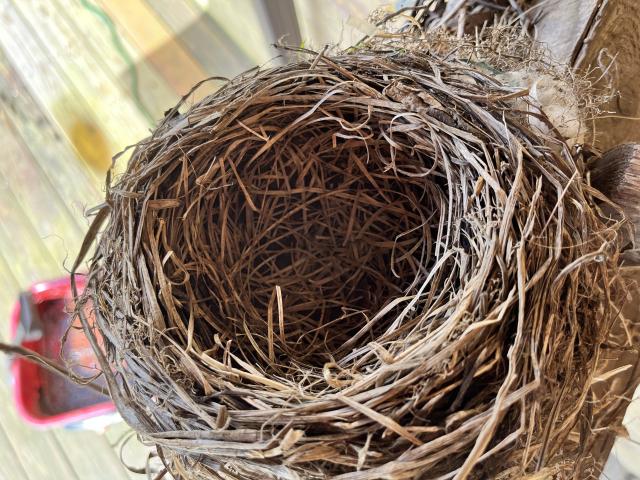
[602, 37]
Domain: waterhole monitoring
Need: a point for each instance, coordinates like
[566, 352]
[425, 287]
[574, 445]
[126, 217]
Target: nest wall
[362, 266]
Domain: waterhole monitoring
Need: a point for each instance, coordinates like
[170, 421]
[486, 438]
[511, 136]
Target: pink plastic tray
[42, 398]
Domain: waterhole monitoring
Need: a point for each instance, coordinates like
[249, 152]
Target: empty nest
[362, 266]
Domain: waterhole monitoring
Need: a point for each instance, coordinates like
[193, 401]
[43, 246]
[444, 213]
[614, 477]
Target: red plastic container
[42, 398]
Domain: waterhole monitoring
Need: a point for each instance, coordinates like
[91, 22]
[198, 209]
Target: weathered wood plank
[27, 254]
[113, 111]
[8, 295]
[240, 21]
[73, 181]
[562, 26]
[335, 23]
[10, 465]
[40, 202]
[601, 37]
[38, 451]
[614, 34]
[50, 454]
[41, 78]
[205, 40]
[280, 21]
[156, 43]
[92, 457]
[93, 31]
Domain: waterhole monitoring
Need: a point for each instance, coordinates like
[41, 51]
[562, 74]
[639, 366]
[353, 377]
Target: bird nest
[365, 266]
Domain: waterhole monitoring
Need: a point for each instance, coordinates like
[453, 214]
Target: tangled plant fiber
[365, 266]
[462, 16]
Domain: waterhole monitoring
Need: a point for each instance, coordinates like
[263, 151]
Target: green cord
[117, 43]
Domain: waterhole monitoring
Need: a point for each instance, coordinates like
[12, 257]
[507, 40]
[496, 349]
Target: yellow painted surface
[90, 144]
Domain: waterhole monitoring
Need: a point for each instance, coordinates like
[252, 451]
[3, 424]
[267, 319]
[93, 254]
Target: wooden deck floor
[42, 189]
[67, 104]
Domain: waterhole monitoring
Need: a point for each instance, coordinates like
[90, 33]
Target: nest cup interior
[302, 246]
[368, 266]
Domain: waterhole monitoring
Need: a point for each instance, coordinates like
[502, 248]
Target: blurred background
[79, 81]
